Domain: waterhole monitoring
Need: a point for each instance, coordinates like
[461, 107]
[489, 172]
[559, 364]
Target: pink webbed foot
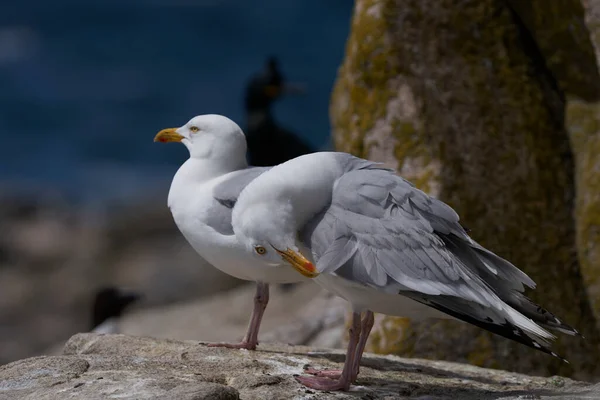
[341, 380]
[250, 341]
[325, 373]
[322, 383]
[241, 345]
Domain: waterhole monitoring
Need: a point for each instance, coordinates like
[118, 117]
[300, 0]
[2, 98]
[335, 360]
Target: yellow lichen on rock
[390, 337]
[365, 115]
[583, 122]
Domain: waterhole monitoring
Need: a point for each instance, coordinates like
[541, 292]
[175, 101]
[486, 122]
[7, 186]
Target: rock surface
[128, 367]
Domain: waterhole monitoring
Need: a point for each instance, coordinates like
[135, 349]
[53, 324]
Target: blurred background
[490, 105]
[84, 87]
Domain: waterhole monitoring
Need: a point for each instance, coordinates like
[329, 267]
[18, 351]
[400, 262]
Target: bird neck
[199, 170]
[306, 181]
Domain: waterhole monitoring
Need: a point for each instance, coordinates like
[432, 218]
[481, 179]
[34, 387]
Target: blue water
[85, 85]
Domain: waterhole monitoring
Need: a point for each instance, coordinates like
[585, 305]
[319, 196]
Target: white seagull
[384, 246]
[202, 196]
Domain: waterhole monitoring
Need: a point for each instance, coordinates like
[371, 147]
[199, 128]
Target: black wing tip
[573, 330]
[543, 317]
[560, 326]
[546, 349]
[507, 329]
[559, 357]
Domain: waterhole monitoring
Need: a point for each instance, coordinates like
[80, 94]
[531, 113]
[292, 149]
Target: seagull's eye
[260, 250]
[194, 129]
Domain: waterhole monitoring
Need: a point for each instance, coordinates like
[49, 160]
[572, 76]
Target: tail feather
[511, 315]
[506, 281]
[538, 314]
[494, 270]
[505, 269]
[486, 318]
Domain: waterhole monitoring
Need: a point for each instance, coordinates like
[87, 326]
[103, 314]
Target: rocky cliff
[127, 367]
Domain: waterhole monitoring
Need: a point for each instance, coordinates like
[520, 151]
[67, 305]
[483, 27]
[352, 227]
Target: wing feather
[228, 191]
[338, 254]
[225, 196]
[380, 230]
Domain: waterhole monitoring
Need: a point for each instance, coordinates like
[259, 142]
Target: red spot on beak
[310, 266]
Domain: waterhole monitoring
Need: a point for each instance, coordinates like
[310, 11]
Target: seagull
[371, 237]
[201, 198]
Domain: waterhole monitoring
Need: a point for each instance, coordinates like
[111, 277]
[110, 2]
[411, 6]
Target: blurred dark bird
[268, 143]
[109, 305]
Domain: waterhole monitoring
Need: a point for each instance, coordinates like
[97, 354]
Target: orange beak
[168, 135]
[299, 262]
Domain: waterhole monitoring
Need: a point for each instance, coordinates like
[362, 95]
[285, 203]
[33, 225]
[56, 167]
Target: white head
[268, 231]
[208, 136]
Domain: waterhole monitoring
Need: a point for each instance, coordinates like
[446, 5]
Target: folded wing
[381, 231]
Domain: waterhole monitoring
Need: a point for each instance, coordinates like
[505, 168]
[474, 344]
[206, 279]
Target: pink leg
[261, 299]
[344, 381]
[365, 329]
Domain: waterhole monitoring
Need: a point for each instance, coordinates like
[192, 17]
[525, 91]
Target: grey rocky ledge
[128, 367]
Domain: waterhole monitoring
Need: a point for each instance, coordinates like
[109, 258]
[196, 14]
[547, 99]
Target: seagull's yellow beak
[168, 135]
[299, 262]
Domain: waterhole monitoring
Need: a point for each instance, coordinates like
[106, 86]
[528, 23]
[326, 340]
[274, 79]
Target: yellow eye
[260, 250]
[194, 129]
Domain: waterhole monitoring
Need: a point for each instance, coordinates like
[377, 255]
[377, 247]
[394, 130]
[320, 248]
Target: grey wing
[225, 196]
[379, 230]
[228, 191]
[401, 235]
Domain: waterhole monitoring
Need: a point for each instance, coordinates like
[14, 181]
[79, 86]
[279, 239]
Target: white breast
[190, 204]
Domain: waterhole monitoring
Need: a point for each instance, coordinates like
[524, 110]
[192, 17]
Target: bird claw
[241, 345]
[322, 383]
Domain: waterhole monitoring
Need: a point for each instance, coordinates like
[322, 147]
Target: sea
[85, 85]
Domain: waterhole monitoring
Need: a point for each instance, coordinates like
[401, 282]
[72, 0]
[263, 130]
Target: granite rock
[129, 367]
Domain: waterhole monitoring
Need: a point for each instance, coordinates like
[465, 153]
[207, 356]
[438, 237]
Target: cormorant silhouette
[268, 143]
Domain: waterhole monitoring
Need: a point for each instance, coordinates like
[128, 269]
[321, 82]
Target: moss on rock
[563, 39]
[583, 122]
[365, 79]
[475, 116]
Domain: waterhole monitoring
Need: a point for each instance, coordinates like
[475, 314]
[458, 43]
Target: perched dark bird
[109, 304]
[270, 144]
